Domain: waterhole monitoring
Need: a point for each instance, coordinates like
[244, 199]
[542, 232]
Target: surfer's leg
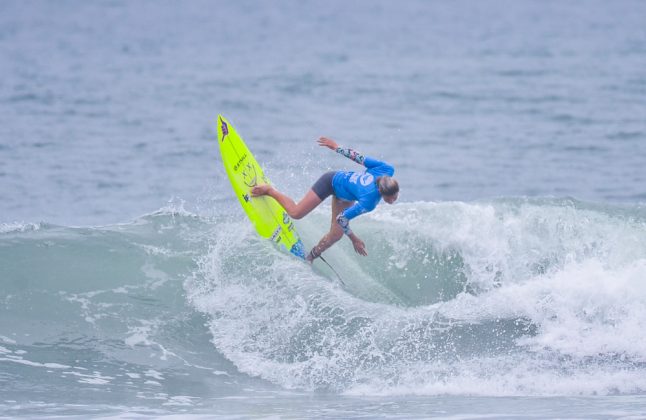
[335, 232]
[319, 192]
[296, 210]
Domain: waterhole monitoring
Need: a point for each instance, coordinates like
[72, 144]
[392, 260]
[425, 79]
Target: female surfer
[353, 193]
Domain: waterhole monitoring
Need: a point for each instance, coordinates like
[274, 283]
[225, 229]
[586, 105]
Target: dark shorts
[323, 187]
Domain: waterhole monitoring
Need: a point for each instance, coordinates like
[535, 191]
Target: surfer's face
[391, 198]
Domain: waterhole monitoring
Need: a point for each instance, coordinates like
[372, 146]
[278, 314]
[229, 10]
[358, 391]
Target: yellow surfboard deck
[268, 217]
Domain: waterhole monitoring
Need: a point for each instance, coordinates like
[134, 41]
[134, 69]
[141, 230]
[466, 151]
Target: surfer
[353, 193]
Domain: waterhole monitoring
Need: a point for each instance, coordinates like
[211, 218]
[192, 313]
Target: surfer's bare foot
[259, 190]
[312, 255]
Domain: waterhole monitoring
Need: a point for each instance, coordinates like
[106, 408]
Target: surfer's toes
[260, 190]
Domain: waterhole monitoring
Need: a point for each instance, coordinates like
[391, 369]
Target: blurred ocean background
[508, 281]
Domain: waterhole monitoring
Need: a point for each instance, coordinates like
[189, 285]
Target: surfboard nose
[223, 127]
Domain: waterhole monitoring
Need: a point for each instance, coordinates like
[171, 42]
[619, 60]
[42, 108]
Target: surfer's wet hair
[387, 186]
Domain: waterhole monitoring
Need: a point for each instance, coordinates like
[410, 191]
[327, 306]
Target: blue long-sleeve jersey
[359, 186]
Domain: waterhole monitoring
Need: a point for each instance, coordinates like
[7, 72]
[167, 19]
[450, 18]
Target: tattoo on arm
[344, 223]
[351, 154]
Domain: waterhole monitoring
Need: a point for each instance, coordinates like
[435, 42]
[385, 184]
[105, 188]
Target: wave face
[93, 318]
[512, 297]
[507, 297]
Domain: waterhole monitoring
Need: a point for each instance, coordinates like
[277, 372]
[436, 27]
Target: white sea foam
[21, 361]
[95, 378]
[18, 227]
[548, 293]
[7, 340]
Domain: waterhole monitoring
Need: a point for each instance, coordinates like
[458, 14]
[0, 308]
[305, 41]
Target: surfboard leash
[333, 270]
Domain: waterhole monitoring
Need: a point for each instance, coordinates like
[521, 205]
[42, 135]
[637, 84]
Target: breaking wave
[506, 297]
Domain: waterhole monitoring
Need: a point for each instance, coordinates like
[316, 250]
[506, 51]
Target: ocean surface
[508, 281]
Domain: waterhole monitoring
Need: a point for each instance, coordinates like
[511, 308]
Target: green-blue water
[507, 280]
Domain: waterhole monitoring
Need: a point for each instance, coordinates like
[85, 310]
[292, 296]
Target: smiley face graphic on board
[249, 176]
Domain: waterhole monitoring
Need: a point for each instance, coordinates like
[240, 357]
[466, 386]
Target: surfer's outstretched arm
[345, 151]
[351, 154]
[379, 168]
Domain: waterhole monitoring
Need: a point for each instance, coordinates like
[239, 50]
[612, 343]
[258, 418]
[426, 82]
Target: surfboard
[269, 218]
